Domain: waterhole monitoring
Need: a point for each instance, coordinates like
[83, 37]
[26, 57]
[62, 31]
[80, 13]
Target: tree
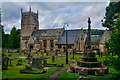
[18, 38]
[114, 43]
[111, 10]
[12, 38]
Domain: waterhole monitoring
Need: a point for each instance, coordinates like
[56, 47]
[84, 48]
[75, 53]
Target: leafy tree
[14, 38]
[111, 10]
[18, 38]
[3, 37]
[11, 38]
[113, 45]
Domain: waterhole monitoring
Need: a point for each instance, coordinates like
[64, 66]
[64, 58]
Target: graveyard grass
[14, 71]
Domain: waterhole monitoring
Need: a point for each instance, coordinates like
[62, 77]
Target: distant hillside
[95, 32]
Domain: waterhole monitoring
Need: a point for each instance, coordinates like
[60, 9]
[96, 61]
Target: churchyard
[13, 70]
[59, 53]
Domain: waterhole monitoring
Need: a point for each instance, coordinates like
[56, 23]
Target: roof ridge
[51, 29]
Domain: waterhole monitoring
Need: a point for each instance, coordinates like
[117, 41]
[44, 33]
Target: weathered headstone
[4, 62]
[37, 62]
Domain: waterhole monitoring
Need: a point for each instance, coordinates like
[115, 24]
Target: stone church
[35, 39]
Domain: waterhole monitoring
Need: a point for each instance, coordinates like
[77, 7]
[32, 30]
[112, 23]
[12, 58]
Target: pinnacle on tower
[37, 12]
[30, 9]
[21, 10]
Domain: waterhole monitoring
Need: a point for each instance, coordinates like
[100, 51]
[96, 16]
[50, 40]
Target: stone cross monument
[89, 35]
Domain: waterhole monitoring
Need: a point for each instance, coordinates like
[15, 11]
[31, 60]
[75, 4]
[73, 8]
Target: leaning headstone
[4, 62]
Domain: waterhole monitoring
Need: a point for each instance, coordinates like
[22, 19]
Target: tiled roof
[94, 39]
[71, 36]
[48, 32]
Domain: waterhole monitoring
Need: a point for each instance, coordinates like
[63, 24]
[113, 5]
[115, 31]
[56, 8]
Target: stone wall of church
[101, 47]
[23, 44]
[105, 37]
[82, 44]
[62, 48]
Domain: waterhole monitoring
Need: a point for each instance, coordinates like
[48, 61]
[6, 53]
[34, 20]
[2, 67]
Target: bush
[116, 76]
[116, 64]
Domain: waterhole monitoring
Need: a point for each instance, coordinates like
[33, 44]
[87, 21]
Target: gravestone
[53, 58]
[44, 62]
[30, 55]
[36, 62]
[4, 62]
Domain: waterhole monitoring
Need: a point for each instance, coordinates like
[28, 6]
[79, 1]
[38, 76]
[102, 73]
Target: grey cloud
[53, 14]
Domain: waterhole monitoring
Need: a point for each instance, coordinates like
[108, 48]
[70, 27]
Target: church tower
[29, 23]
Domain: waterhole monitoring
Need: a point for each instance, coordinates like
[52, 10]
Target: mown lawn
[14, 71]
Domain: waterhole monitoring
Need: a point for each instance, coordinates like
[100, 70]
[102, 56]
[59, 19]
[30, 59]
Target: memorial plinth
[89, 60]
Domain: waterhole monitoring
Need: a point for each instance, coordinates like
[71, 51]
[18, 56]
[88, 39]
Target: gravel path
[57, 73]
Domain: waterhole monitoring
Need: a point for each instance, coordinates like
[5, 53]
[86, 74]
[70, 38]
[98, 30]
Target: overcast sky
[55, 14]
